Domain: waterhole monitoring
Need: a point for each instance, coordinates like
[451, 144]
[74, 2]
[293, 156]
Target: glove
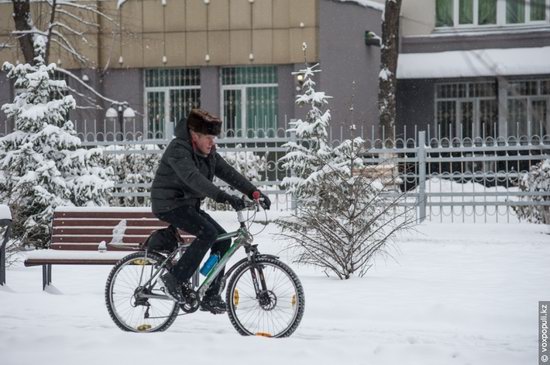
[235, 202]
[264, 200]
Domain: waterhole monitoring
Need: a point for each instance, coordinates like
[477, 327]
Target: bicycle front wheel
[276, 309]
[134, 297]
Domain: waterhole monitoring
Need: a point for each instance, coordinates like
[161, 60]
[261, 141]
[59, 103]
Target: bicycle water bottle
[209, 264]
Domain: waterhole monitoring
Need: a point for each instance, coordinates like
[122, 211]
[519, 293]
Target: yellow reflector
[140, 262]
[143, 327]
[263, 334]
[293, 301]
[236, 297]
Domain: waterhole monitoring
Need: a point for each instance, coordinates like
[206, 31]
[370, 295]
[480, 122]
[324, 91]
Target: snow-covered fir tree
[304, 156]
[43, 165]
[537, 180]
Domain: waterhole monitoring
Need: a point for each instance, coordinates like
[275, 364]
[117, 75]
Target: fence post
[421, 155]
[293, 202]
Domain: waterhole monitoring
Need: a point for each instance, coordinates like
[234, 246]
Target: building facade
[234, 58]
[467, 68]
[475, 68]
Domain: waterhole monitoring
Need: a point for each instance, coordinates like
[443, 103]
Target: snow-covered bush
[343, 216]
[134, 167]
[43, 165]
[537, 180]
[351, 221]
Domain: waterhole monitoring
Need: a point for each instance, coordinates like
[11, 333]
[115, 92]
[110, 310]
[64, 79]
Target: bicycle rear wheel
[277, 309]
[127, 300]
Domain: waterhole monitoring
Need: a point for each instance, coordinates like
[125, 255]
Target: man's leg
[190, 220]
[220, 248]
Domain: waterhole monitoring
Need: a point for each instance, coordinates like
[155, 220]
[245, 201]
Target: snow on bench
[94, 236]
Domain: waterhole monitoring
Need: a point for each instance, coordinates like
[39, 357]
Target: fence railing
[468, 180]
[446, 179]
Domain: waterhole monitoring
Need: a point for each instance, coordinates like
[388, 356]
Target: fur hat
[201, 121]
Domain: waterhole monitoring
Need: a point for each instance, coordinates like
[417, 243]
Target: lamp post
[120, 113]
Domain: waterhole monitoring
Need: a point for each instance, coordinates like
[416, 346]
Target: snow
[5, 212]
[367, 3]
[385, 74]
[119, 3]
[74, 255]
[118, 232]
[104, 209]
[473, 63]
[450, 294]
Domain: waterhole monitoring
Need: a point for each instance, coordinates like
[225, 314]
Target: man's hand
[264, 200]
[235, 202]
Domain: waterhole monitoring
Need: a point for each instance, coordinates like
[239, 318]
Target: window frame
[165, 90]
[500, 17]
[244, 88]
[458, 127]
[505, 96]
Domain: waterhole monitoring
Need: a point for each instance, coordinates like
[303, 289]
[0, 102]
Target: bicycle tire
[250, 316]
[125, 277]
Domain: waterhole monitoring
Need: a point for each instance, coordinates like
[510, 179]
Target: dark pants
[193, 220]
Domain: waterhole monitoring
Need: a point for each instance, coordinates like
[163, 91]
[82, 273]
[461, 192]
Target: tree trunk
[388, 67]
[22, 18]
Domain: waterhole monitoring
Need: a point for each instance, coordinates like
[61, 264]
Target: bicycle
[264, 296]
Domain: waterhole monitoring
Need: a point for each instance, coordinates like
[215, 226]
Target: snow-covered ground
[450, 294]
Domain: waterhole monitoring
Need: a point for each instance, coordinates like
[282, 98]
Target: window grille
[528, 102]
[250, 98]
[466, 110]
[170, 95]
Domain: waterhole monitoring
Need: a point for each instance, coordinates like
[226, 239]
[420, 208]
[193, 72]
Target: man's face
[203, 142]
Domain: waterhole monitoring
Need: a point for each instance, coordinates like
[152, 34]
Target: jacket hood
[182, 131]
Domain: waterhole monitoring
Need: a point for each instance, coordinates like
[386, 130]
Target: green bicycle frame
[243, 237]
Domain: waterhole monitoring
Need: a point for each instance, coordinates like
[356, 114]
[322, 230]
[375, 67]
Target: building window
[528, 103]
[249, 103]
[466, 109]
[468, 13]
[169, 95]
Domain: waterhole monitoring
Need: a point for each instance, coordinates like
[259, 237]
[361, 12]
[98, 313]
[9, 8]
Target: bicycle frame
[243, 238]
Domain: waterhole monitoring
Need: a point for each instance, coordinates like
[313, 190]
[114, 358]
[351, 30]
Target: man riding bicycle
[182, 180]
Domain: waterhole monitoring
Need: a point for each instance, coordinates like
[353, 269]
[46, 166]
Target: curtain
[538, 10]
[515, 11]
[487, 12]
[444, 13]
[466, 12]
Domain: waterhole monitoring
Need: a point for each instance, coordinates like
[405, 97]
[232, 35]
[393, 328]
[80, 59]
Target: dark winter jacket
[184, 176]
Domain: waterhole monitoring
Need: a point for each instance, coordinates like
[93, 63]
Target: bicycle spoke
[271, 312]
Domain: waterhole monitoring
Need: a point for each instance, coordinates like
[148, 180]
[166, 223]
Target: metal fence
[465, 180]
[445, 179]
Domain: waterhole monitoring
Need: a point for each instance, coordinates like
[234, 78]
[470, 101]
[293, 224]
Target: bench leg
[46, 275]
[3, 265]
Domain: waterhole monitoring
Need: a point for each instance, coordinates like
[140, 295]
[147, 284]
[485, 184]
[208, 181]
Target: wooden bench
[5, 227]
[94, 236]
